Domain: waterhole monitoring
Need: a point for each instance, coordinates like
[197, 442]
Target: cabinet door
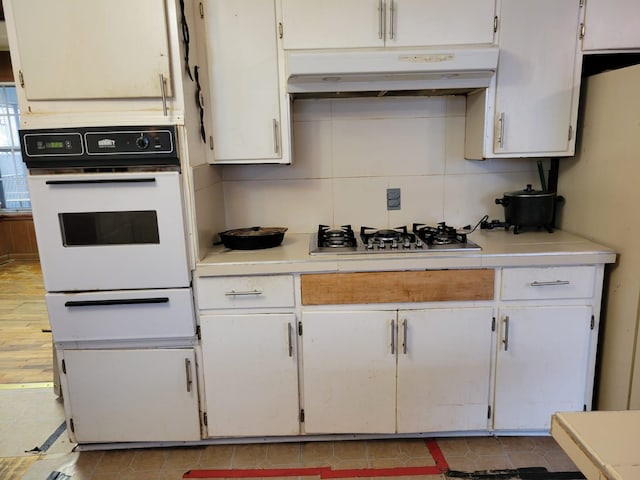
[444, 362]
[131, 395]
[439, 22]
[349, 371]
[332, 23]
[250, 374]
[537, 85]
[84, 50]
[542, 365]
[244, 80]
[611, 24]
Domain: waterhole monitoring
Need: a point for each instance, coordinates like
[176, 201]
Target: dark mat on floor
[535, 473]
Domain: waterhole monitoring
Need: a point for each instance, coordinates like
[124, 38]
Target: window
[14, 194]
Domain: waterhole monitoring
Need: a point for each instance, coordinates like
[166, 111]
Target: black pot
[253, 238]
[529, 208]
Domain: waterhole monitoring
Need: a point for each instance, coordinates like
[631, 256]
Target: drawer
[397, 287]
[121, 315]
[548, 283]
[245, 291]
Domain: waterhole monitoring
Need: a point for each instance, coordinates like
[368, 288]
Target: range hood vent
[322, 73]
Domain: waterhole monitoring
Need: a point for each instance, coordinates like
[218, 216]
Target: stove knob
[406, 244]
[370, 246]
[394, 244]
[419, 244]
[381, 245]
[142, 142]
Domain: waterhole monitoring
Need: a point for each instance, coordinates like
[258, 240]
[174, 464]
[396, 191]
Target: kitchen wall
[347, 152]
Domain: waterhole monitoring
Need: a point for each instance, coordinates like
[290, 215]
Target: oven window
[109, 228]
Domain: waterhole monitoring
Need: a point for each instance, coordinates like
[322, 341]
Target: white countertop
[604, 445]
[499, 249]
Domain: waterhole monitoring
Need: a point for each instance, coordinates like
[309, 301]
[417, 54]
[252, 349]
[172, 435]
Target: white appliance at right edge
[601, 187]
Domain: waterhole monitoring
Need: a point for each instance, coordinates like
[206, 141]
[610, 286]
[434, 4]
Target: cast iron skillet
[253, 238]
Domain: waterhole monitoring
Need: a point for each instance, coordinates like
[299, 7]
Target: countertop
[499, 249]
[604, 445]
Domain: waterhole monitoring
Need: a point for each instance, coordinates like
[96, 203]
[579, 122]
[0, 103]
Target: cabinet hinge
[21, 78]
[205, 419]
[201, 8]
[495, 24]
[493, 324]
[300, 328]
[489, 412]
[72, 427]
[198, 332]
[64, 367]
[582, 30]
[593, 322]
[301, 415]
[581, 3]
[280, 30]
[570, 133]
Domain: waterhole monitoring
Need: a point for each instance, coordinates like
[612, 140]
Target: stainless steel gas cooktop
[422, 239]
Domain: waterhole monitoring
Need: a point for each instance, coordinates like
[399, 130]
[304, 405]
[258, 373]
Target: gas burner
[394, 238]
[440, 235]
[344, 237]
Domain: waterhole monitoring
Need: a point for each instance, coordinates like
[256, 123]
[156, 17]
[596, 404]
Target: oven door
[110, 231]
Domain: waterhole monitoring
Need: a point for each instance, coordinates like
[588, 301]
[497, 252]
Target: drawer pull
[117, 301]
[550, 284]
[243, 293]
[187, 366]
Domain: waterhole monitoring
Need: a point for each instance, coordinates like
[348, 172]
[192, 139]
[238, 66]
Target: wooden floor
[25, 337]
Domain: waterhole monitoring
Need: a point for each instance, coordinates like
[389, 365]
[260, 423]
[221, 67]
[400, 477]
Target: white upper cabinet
[378, 23]
[530, 109]
[250, 116]
[92, 59]
[611, 25]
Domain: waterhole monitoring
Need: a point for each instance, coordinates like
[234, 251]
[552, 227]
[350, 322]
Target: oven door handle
[104, 180]
[118, 301]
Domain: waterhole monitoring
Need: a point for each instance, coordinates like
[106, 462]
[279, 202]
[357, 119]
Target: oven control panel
[95, 147]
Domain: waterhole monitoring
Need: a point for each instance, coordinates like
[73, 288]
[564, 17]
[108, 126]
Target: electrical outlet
[393, 199]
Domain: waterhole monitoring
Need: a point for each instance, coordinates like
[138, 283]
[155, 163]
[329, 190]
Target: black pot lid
[529, 192]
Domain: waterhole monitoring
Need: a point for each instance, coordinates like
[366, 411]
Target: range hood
[378, 71]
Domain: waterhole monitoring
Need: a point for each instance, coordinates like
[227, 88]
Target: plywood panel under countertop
[397, 287]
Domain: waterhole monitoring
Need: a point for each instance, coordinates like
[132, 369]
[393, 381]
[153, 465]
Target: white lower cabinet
[250, 374]
[396, 371]
[444, 371]
[130, 395]
[542, 364]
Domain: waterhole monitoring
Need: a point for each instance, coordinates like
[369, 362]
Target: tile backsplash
[348, 152]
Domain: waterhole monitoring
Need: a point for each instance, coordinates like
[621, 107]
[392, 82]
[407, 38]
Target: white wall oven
[107, 208]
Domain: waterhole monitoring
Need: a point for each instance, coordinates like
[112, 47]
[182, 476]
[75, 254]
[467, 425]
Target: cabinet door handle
[404, 336]
[233, 293]
[549, 284]
[505, 339]
[393, 337]
[391, 20]
[501, 130]
[164, 95]
[289, 332]
[276, 137]
[380, 19]
[99, 181]
[187, 366]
